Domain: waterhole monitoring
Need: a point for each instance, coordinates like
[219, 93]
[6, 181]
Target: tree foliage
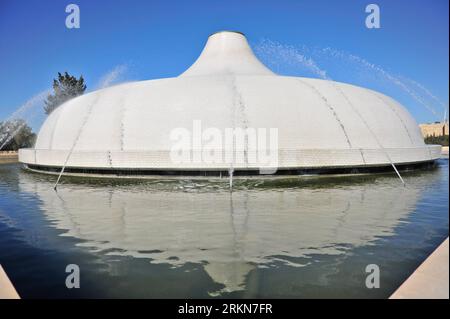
[437, 140]
[65, 87]
[15, 134]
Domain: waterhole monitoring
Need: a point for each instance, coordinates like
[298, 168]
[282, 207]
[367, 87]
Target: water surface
[295, 237]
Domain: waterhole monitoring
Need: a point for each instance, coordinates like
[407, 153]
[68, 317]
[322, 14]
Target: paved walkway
[7, 290]
[8, 157]
[430, 280]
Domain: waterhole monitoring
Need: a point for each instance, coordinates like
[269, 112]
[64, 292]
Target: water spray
[290, 53]
[111, 77]
[75, 143]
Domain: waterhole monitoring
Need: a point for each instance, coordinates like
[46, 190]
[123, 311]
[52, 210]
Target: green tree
[65, 88]
[15, 134]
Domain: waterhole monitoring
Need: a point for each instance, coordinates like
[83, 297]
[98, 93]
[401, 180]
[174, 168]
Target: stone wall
[435, 129]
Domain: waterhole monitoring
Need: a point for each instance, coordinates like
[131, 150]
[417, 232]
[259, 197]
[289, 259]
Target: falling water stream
[108, 79]
[114, 76]
[346, 67]
[282, 238]
[25, 112]
[295, 56]
[368, 128]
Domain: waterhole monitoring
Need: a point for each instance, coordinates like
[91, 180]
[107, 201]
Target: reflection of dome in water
[227, 234]
[320, 123]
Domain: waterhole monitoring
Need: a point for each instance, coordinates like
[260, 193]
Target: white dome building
[321, 125]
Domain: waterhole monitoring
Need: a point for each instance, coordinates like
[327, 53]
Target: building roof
[229, 87]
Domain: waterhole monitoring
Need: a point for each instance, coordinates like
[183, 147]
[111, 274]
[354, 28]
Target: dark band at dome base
[112, 172]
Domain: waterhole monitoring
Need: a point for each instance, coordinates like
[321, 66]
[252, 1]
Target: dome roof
[320, 123]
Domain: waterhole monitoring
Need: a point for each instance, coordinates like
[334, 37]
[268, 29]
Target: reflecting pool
[297, 237]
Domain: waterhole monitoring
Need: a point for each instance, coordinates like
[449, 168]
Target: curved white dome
[320, 123]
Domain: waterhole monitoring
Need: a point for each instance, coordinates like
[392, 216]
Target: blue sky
[162, 38]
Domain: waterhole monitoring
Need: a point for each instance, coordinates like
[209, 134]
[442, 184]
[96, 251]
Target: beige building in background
[434, 129]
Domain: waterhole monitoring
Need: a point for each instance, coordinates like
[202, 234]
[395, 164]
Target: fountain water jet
[308, 62]
[290, 55]
[25, 112]
[113, 77]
